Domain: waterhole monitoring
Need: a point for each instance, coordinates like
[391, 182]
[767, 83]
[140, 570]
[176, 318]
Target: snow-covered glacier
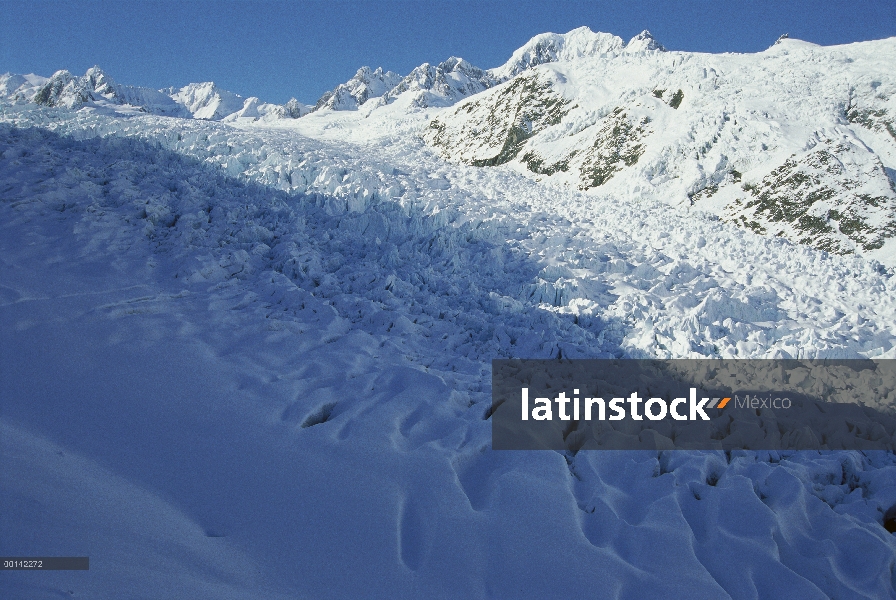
[251, 358]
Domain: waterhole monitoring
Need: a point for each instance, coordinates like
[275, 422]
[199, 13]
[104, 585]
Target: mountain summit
[554, 47]
[366, 84]
[644, 42]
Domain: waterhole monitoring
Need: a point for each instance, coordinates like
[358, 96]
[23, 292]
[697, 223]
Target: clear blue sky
[277, 49]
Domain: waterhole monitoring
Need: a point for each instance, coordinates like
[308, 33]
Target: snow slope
[252, 359]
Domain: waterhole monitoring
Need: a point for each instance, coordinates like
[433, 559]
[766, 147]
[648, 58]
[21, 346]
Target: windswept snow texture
[252, 360]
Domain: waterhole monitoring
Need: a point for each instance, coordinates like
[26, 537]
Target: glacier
[249, 357]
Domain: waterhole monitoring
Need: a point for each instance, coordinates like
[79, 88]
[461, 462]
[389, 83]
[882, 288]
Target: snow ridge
[95, 86]
[440, 85]
[207, 101]
[98, 90]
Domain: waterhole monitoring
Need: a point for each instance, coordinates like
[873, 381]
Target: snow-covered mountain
[643, 42]
[796, 141]
[553, 47]
[366, 84]
[20, 88]
[427, 85]
[210, 102]
[439, 85]
[254, 110]
[96, 88]
[578, 43]
[207, 101]
[454, 79]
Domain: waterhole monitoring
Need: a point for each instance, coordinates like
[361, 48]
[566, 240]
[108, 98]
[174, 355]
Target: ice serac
[366, 84]
[441, 85]
[554, 47]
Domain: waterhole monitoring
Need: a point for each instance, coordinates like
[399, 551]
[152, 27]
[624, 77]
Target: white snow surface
[252, 360]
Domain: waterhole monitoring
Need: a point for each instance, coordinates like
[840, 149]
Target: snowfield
[251, 359]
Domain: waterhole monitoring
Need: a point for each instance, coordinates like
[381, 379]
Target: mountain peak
[294, 109]
[52, 93]
[441, 85]
[95, 88]
[95, 71]
[97, 80]
[553, 47]
[207, 101]
[366, 84]
[644, 42]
